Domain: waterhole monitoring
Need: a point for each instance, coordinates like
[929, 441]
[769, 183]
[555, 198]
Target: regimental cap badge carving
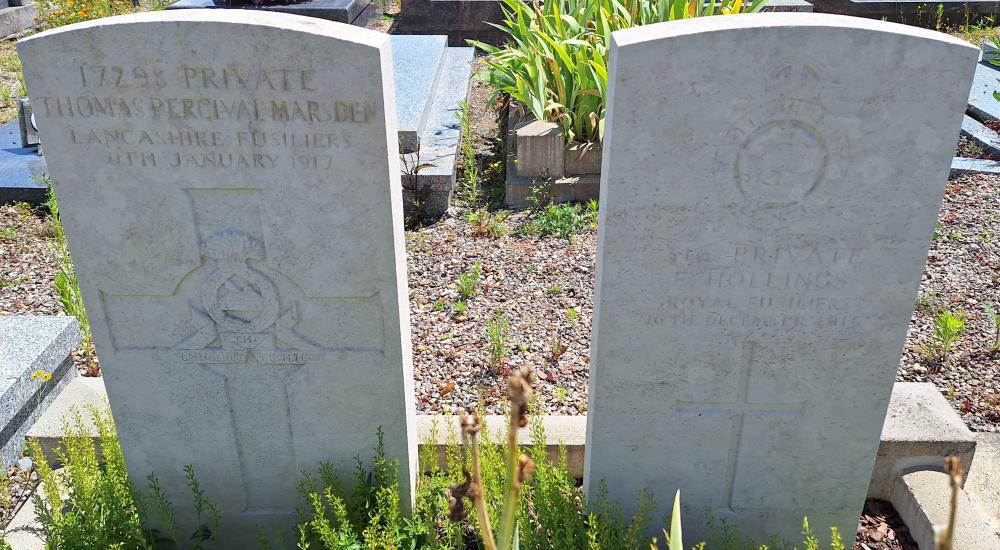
[232, 246]
[240, 309]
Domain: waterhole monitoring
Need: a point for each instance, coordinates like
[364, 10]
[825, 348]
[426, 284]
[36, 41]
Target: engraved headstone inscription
[755, 284]
[235, 223]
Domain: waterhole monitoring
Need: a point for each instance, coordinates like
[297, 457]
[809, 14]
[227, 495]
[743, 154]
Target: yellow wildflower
[41, 375]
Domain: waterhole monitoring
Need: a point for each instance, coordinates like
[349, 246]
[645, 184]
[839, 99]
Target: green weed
[558, 349]
[995, 319]
[948, 329]
[561, 220]
[573, 315]
[497, 334]
[486, 223]
[929, 303]
[554, 290]
[468, 282]
[468, 182]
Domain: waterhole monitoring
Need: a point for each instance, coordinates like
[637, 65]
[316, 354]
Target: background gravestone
[765, 217]
[234, 216]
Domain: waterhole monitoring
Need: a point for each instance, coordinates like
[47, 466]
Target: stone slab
[18, 165]
[750, 363]
[17, 19]
[921, 429]
[961, 166]
[981, 135]
[981, 100]
[416, 65]
[355, 12]
[29, 344]
[242, 262]
[923, 500]
[440, 133]
[460, 20]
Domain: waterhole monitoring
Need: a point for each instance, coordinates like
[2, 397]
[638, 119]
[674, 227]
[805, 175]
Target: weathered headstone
[765, 217]
[229, 182]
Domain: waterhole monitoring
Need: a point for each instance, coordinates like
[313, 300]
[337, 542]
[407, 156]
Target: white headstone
[769, 190]
[229, 183]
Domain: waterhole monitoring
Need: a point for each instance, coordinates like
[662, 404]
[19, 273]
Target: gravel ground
[882, 529]
[10, 84]
[28, 263]
[962, 275]
[543, 286]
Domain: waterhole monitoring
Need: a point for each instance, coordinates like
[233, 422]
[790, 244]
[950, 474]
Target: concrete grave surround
[236, 225]
[754, 285]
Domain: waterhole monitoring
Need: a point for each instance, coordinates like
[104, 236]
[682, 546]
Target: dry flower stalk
[945, 537]
[519, 468]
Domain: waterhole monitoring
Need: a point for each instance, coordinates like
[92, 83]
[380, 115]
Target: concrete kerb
[920, 430]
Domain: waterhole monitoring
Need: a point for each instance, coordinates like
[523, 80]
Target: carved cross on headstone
[738, 410]
[243, 314]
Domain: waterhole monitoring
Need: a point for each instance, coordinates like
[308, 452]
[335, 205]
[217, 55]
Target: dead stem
[519, 467]
[953, 467]
[471, 426]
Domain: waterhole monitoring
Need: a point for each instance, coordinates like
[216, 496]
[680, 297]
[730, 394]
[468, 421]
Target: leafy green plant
[468, 183]
[555, 62]
[995, 318]
[101, 507]
[561, 394]
[486, 223]
[558, 349]
[948, 329]
[468, 282]
[553, 290]
[561, 220]
[366, 518]
[460, 308]
[91, 505]
[497, 333]
[572, 314]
